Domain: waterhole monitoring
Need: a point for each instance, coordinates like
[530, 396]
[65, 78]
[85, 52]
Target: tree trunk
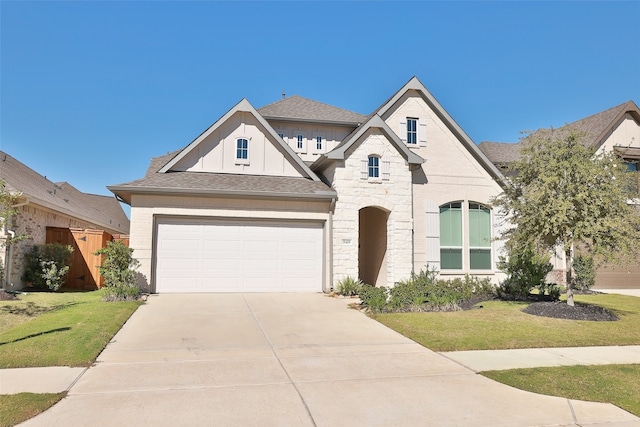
[569, 261]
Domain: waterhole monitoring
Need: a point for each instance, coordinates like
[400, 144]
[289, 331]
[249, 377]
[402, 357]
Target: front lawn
[58, 329]
[16, 408]
[616, 384]
[502, 325]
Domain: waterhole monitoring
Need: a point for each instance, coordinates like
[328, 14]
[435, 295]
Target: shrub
[349, 286]
[526, 270]
[118, 270]
[585, 276]
[413, 292]
[47, 265]
[374, 298]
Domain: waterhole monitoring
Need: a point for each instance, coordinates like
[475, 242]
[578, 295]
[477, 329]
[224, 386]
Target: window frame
[412, 133]
[373, 170]
[239, 157]
[459, 249]
[476, 206]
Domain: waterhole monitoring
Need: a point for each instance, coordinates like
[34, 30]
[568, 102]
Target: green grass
[502, 325]
[616, 384]
[16, 408]
[58, 329]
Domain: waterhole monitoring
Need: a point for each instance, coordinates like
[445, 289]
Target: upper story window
[319, 142]
[412, 130]
[281, 135]
[242, 150]
[374, 167]
[300, 141]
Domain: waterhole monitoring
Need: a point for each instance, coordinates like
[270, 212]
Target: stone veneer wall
[355, 193]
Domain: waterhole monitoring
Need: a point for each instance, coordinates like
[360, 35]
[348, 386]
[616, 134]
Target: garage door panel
[222, 256]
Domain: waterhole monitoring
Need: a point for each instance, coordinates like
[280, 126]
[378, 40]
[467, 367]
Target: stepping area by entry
[291, 359]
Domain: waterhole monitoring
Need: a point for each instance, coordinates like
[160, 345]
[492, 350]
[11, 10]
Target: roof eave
[128, 191]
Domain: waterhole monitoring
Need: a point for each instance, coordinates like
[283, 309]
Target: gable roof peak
[244, 106]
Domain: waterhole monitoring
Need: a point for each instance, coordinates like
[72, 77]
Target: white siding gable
[217, 152]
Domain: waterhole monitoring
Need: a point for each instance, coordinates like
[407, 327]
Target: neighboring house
[48, 208]
[614, 130]
[298, 194]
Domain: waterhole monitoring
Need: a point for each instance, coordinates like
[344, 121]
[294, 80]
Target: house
[296, 195]
[51, 212]
[614, 130]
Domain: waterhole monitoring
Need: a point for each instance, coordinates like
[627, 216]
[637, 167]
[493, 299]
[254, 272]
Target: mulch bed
[561, 310]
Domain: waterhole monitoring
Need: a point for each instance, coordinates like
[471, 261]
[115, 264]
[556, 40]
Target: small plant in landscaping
[47, 265]
[526, 270]
[374, 298]
[118, 270]
[349, 286]
[585, 271]
[424, 292]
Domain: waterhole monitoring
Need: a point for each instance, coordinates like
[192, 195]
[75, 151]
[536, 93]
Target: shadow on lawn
[51, 331]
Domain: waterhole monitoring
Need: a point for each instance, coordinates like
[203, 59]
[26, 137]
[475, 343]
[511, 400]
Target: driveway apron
[291, 360]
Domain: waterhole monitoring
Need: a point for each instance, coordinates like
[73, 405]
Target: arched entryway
[372, 246]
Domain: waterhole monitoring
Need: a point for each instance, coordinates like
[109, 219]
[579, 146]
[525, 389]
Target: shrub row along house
[49, 212]
[614, 130]
[297, 195]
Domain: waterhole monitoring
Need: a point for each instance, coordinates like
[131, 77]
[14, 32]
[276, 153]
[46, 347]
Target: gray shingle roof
[595, 127]
[500, 152]
[205, 183]
[102, 211]
[304, 109]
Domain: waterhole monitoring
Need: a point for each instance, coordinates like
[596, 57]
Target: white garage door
[223, 256]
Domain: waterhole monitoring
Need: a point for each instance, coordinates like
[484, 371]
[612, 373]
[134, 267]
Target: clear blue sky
[90, 91]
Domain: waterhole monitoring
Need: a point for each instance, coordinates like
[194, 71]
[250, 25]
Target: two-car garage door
[196, 255]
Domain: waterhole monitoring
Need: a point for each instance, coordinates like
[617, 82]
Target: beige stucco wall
[355, 193]
[217, 152]
[144, 208]
[33, 220]
[450, 173]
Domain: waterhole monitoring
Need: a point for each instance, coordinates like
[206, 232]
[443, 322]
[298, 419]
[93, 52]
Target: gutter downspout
[331, 209]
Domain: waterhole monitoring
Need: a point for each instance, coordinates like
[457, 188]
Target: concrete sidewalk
[497, 360]
[58, 379]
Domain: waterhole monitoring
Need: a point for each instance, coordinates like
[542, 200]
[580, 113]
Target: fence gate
[84, 270]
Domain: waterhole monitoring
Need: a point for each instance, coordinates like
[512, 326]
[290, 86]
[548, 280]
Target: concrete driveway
[291, 360]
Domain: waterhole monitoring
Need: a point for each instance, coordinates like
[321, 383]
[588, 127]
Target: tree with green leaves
[564, 195]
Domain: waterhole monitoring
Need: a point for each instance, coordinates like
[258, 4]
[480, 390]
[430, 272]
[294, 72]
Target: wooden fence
[84, 272]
